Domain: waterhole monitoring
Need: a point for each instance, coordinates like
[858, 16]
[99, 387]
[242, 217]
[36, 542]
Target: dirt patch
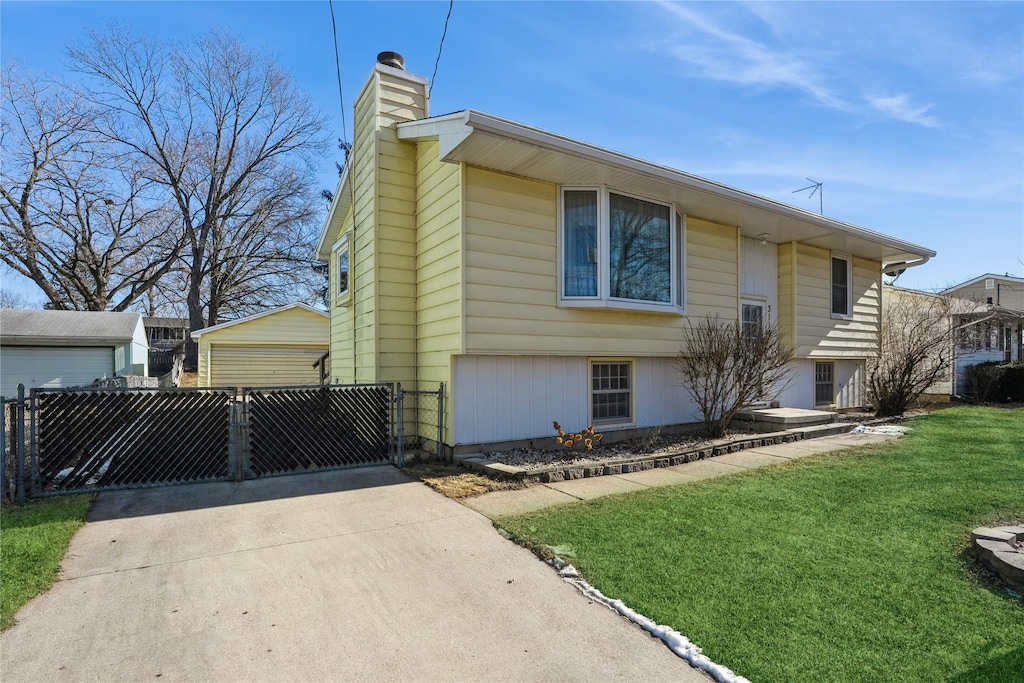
[455, 482]
[652, 443]
[188, 379]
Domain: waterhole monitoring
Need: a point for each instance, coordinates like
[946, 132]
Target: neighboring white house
[69, 348]
[285, 346]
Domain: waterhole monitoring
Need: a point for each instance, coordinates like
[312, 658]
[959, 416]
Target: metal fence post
[19, 444]
[3, 451]
[234, 467]
[33, 442]
[400, 397]
[440, 423]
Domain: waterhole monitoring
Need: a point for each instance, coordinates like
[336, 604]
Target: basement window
[611, 393]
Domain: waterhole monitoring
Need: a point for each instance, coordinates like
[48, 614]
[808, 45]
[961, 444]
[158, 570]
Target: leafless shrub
[917, 338]
[725, 370]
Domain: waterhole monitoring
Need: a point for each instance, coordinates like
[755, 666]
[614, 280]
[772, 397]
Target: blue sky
[911, 114]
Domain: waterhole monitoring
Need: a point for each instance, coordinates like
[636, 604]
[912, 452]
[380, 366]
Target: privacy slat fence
[104, 439]
[308, 428]
[58, 441]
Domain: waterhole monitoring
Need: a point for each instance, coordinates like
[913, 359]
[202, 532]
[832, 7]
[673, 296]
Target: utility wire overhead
[440, 47]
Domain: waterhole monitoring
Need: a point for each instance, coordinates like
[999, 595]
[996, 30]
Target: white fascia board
[280, 309]
[456, 125]
[339, 205]
[450, 130]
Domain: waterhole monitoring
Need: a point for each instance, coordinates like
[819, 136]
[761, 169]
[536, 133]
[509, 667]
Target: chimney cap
[392, 59]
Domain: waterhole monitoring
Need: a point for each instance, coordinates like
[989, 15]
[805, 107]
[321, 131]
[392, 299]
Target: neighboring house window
[824, 383]
[343, 256]
[842, 277]
[611, 397]
[619, 251]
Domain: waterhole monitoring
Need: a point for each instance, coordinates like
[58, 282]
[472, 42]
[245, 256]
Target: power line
[337, 67]
[440, 47]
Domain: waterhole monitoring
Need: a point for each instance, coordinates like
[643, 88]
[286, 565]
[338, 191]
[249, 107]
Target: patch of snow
[66, 472]
[894, 430]
[675, 641]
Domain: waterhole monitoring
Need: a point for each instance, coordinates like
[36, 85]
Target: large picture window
[619, 251]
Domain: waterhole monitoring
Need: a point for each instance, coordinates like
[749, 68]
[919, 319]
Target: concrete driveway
[350, 575]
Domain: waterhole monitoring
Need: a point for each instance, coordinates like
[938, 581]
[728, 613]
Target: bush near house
[997, 382]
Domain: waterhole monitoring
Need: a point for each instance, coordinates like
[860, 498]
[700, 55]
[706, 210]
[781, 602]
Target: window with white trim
[611, 391]
[343, 259]
[824, 383]
[619, 251]
[842, 290]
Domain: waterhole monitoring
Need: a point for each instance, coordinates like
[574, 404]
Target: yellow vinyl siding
[438, 265]
[511, 271]
[294, 327]
[805, 305]
[246, 365]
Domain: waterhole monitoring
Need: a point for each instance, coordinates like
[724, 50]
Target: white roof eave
[455, 131]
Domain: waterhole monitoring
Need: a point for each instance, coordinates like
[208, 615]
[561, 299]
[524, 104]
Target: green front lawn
[33, 540]
[842, 567]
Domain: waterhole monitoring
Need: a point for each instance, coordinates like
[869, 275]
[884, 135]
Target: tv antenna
[816, 187]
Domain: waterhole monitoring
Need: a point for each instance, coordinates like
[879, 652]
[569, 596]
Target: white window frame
[342, 247]
[849, 285]
[759, 303]
[832, 393]
[677, 246]
[612, 422]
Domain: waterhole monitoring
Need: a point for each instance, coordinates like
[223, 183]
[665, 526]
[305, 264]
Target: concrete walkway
[339, 576]
[539, 496]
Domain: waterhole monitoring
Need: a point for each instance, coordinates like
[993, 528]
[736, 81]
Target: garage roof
[67, 328]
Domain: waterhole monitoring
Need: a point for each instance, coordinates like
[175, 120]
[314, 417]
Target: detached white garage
[272, 349]
[57, 349]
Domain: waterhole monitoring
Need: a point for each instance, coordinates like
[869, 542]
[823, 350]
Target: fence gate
[59, 441]
[87, 440]
[314, 428]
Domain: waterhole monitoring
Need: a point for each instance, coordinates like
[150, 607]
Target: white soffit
[508, 147]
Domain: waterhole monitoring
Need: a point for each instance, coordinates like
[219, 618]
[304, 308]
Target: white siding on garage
[265, 365]
[511, 398]
[47, 366]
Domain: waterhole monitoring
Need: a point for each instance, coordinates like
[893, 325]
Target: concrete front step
[775, 419]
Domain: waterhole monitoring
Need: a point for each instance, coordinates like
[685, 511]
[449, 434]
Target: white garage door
[48, 366]
[264, 366]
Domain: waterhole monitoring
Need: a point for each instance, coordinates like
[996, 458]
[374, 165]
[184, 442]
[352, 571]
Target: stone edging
[627, 464]
[998, 549]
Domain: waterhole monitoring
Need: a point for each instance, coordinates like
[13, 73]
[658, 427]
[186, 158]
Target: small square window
[611, 391]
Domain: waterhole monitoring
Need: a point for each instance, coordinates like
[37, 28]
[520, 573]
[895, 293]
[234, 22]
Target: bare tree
[230, 141]
[726, 368]
[919, 331]
[77, 220]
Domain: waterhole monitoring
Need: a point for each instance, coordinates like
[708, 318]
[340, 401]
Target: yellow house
[542, 278]
[280, 347]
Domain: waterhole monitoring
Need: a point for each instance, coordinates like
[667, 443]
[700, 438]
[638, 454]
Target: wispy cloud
[726, 46]
[900, 107]
[726, 55]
